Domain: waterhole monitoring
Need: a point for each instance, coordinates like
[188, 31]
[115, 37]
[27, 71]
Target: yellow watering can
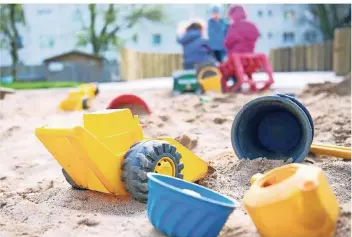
[294, 200]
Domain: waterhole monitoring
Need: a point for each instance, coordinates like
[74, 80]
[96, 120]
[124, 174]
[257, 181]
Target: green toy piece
[186, 81]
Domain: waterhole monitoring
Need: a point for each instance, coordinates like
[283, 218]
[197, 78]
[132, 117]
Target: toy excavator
[110, 154]
[81, 98]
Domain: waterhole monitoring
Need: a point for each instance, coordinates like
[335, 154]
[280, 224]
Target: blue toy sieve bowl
[275, 127]
[179, 208]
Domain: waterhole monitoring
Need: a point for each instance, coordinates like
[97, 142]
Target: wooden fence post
[328, 55]
[272, 58]
[123, 64]
[298, 59]
[342, 51]
[309, 58]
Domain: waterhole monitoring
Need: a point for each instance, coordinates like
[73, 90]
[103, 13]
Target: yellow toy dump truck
[81, 98]
[110, 154]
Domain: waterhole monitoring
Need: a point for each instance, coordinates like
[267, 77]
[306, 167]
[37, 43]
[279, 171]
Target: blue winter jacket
[195, 48]
[216, 32]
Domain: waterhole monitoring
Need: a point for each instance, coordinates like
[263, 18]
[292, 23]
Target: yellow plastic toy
[110, 154]
[330, 150]
[293, 200]
[81, 98]
[90, 89]
[210, 82]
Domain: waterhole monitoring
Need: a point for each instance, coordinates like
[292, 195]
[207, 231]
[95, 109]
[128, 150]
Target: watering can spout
[313, 211]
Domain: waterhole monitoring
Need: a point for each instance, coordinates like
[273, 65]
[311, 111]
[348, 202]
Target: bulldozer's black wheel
[70, 181]
[96, 91]
[143, 157]
[85, 104]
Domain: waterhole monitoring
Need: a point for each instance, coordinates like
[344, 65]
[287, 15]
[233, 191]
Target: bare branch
[108, 19]
[113, 32]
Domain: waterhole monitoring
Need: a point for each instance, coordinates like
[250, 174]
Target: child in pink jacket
[242, 34]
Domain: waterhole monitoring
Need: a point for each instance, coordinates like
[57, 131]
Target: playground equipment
[238, 70]
[178, 208]
[292, 200]
[5, 91]
[275, 127]
[330, 150]
[209, 78]
[81, 98]
[110, 154]
[231, 76]
[129, 101]
[185, 81]
[205, 78]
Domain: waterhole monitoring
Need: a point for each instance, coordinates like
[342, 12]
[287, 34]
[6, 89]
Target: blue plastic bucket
[179, 208]
[275, 127]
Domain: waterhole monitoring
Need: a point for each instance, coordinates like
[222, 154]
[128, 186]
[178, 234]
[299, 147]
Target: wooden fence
[139, 65]
[315, 57]
[327, 56]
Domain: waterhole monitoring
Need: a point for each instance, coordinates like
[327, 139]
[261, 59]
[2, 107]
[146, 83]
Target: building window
[44, 11]
[288, 37]
[290, 15]
[77, 15]
[270, 35]
[47, 42]
[270, 13]
[260, 13]
[310, 36]
[156, 39]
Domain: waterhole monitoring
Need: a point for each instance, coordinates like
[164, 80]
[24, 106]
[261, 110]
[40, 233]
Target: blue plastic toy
[7, 80]
[275, 127]
[178, 208]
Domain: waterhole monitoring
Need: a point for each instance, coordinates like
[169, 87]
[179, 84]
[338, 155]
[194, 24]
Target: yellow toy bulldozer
[110, 154]
[81, 98]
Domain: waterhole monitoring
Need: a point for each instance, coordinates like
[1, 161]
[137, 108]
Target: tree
[115, 19]
[328, 17]
[11, 16]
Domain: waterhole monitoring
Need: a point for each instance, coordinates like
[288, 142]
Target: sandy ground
[35, 200]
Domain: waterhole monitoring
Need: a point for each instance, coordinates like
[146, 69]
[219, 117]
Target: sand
[35, 199]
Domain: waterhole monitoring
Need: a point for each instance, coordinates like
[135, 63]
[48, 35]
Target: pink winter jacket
[242, 34]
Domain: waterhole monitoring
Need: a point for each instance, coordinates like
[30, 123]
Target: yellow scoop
[338, 151]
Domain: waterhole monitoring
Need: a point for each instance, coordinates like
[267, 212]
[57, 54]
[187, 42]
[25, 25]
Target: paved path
[283, 80]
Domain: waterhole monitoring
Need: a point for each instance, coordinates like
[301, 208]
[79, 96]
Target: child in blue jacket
[196, 49]
[217, 29]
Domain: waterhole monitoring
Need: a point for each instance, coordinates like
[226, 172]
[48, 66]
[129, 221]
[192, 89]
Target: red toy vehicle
[238, 70]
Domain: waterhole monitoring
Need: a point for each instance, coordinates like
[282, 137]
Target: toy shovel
[338, 151]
